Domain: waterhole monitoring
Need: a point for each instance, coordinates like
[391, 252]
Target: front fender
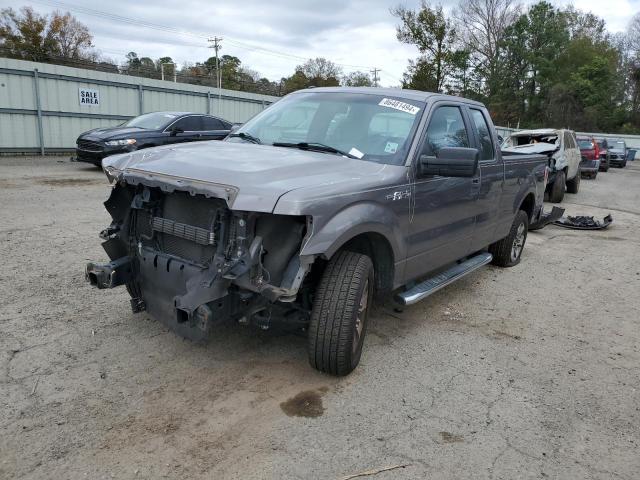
[327, 237]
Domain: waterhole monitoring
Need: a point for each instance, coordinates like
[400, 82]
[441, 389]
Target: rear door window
[210, 123]
[484, 134]
[190, 124]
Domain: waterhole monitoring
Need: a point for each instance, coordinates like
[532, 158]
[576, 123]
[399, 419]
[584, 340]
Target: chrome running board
[441, 280]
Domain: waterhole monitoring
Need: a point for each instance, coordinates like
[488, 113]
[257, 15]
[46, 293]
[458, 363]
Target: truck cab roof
[393, 92]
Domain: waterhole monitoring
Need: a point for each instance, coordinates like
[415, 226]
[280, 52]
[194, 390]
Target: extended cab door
[443, 210]
[491, 181]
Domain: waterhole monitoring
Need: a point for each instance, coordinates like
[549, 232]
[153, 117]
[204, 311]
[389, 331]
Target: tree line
[541, 66]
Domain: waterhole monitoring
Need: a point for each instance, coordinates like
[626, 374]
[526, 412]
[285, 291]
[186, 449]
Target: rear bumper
[604, 163]
[589, 166]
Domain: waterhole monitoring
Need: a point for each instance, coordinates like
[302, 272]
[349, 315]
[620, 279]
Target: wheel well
[378, 248]
[528, 204]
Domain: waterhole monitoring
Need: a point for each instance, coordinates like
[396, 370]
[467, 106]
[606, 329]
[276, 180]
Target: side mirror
[235, 127]
[451, 162]
[176, 130]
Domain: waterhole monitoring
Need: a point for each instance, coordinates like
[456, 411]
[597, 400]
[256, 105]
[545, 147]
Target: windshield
[616, 144]
[585, 144]
[369, 127]
[151, 121]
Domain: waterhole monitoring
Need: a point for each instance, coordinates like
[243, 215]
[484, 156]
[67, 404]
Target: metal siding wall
[62, 96]
[17, 130]
[154, 101]
[60, 132]
[17, 92]
[64, 118]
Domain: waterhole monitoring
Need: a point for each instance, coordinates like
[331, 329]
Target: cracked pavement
[528, 372]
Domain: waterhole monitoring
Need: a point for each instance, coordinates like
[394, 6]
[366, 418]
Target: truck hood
[248, 176]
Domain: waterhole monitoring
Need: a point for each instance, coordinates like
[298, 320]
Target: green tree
[429, 29]
[316, 72]
[357, 79]
[30, 36]
[482, 25]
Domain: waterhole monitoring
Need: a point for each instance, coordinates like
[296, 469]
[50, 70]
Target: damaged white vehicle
[564, 157]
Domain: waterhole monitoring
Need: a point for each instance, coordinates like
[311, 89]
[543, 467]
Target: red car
[590, 153]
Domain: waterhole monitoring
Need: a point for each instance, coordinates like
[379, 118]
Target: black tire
[503, 251]
[573, 185]
[594, 175]
[624, 164]
[338, 320]
[556, 193]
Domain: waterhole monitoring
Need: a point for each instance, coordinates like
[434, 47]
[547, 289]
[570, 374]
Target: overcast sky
[272, 36]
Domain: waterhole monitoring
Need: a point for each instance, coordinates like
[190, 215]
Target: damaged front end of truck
[191, 261]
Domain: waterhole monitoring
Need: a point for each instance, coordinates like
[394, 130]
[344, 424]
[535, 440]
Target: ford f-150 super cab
[328, 199]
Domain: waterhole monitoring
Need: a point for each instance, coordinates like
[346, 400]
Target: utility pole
[216, 46]
[374, 72]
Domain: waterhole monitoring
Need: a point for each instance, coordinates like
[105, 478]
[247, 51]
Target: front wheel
[556, 193]
[340, 313]
[507, 252]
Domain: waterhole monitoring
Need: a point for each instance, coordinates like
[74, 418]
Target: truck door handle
[475, 181]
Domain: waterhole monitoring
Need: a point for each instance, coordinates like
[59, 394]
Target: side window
[486, 144]
[446, 129]
[190, 124]
[210, 123]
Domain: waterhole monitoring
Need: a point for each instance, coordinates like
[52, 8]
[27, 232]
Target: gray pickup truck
[325, 201]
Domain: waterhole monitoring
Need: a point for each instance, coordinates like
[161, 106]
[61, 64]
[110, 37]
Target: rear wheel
[556, 193]
[340, 313]
[573, 185]
[507, 252]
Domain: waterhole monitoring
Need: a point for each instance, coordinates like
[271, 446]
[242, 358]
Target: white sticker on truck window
[391, 147]
[356, 153]
[398, 105]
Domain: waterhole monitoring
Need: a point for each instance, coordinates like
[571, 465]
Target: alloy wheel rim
[518, 242]
[361, 316]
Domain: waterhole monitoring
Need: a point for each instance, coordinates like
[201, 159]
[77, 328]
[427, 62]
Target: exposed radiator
[182, 230]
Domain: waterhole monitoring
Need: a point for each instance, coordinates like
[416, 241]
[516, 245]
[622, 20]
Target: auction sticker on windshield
[398, 105]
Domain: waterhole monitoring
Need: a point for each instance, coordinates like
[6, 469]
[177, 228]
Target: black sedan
[149, 130]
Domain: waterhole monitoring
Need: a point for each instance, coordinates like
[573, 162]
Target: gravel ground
[528, 372]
